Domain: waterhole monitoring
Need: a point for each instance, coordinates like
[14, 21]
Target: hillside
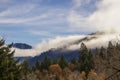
[71, 49]
[105, 65]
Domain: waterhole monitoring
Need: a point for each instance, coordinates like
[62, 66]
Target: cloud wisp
[105, 18]
[32, 14]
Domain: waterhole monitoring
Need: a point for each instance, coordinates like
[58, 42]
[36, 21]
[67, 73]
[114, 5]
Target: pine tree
[117, 46]
[110, 49]
[73, 60]
[55, 61]
[102, 53]
[90, 58]
[83, 53]
[9, 68]
[85, 59]
[45, 63]
[38, 65]
[26, 69]
[62, 62]
[96, 52]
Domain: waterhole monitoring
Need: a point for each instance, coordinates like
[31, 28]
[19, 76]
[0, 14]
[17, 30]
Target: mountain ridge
[92, 41]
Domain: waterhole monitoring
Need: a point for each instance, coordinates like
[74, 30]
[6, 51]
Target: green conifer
[102, 53]
[110, 49]
[38, 65]
[9, 68]
[45, 63]
[73, 60]
[62, 62]
[85, 59]
[26, 69]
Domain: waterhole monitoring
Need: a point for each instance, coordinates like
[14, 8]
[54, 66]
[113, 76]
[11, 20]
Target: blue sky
[31, 21]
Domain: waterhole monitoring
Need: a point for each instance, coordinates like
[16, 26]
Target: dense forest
[100, 64]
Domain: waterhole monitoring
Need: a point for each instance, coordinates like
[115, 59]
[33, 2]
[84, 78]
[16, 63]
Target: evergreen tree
[62, 62]
[91, 62]
[38, 65]
[33, 68]
[9, 68]
[26, 69]
[102, 53]
[96, 52]
[118, 46]
[110, 49]
[73, 61]
[85, 59]
[55, 61]
[45, 63]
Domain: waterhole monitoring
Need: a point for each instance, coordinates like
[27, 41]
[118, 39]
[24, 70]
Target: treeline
[99, 65]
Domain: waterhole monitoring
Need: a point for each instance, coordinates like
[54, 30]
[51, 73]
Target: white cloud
[19, 20]
[48, 44]
[99, 41]
[23, 53]
[77, 22]
[77, 19]
[32, 14]
[107, 15]
[102, 40]
[77, 3]
[17, 10]
[18, 14]
[41, 33]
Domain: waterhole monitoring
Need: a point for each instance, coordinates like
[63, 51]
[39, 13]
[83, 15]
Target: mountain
[68, 46]
[22, 46]
[55, 53]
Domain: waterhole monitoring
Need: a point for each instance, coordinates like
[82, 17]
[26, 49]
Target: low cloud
[48, 44]
[69, 43]
[98, 42]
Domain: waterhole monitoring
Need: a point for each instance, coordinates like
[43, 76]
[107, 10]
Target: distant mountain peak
[22, 46]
